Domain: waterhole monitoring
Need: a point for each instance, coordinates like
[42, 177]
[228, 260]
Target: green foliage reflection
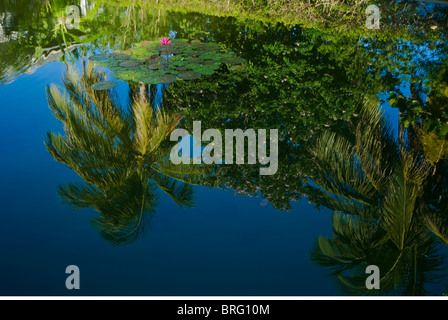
[122, 155]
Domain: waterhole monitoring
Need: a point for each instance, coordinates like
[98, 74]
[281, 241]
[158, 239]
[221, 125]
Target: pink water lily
[165, 41]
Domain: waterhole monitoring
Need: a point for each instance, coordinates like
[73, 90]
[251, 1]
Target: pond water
[87, 179]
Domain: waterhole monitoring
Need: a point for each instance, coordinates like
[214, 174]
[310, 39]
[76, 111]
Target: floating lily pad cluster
[147, 61]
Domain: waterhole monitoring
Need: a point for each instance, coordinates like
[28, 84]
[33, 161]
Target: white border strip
[223, 298]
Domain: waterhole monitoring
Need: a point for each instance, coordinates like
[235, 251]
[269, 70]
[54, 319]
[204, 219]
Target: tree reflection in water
[375, 184]
[122, 155]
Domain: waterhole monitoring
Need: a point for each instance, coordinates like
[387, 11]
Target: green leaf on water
[182, 68]
[153, 66]
[100, 57]
[189, 75]
[237, 67]
[121, 56]
[171, 71]
[149, 80]
[130, 64]
[104, 85]
[165, 79]
[191, 59]
[233, 60]
[206, 72]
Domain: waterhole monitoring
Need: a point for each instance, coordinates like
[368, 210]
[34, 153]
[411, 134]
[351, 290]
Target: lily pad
[208, 62]
[210, 44]
[195, 53]
[189, 75]
[149, 80]
[210, 48]
[104, 85]
[165, 79]
[171, 71]
[195, 60]
[213, 57]
[237, 67]
[99, 57]
[233, 60]
[121, 56]
[130, 64]
[215, 66]
[175, 51]
[206, 72]
[181, 68]
[177, 63]
[111, 63]
[188, 60]
[130, 75]
[153, 66]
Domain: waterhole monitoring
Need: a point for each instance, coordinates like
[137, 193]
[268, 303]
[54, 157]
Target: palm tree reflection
[375, 184]
[122, 155]
[360, 242]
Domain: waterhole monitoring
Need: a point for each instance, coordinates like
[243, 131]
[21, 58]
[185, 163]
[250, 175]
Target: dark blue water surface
[228, 243]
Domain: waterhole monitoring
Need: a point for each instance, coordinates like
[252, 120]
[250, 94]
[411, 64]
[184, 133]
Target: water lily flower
[165, 41]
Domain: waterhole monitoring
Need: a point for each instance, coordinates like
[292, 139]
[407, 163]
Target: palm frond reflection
[375, 185]
[120, 154]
